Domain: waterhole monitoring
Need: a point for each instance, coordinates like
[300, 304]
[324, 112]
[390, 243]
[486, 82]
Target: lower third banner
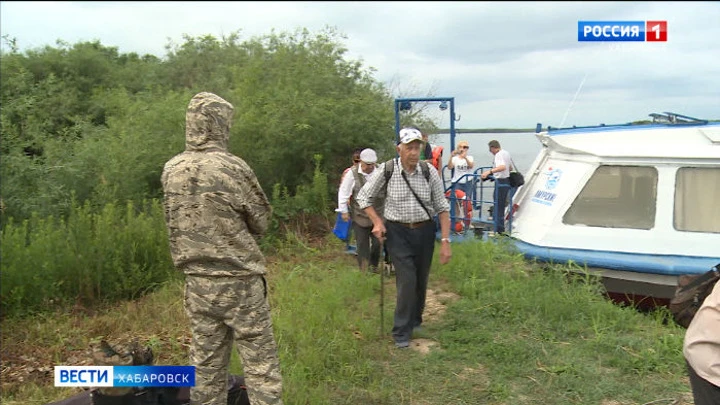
[124, 376]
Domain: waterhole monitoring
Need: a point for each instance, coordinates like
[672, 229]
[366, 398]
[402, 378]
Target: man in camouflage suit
[215, 212]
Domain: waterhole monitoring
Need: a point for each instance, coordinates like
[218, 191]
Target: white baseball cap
[408, 135]
[368, 156]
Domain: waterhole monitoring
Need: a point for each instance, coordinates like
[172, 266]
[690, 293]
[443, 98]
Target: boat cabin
[638, 203]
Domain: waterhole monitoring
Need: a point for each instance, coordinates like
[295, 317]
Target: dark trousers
[368, 246]
[411, 251]
[502, 187]
[704, 392]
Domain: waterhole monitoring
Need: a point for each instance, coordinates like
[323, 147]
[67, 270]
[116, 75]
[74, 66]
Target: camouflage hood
[207, 123]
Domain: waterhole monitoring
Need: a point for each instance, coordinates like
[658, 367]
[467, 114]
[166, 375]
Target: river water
[523, 147]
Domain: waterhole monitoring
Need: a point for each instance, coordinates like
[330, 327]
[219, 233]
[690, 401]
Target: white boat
[637, 204]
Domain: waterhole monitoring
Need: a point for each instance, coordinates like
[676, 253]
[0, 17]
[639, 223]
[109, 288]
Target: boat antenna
[582, 82]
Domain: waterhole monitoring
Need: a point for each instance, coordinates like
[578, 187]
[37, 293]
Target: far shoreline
[533, 130]
[486, 130]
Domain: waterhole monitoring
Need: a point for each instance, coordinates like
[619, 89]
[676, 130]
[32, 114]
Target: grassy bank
[514, 333]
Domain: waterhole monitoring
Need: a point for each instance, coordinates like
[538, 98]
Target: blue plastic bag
[342, 228]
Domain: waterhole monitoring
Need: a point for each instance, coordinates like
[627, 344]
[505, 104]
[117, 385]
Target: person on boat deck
[501, 171]
[411, 202]
[425, 152]
[432, 154]
[368, 246]
[701, 348]
[463, 163]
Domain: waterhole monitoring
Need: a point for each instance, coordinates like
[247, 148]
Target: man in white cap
[368, 246]
[410, 205]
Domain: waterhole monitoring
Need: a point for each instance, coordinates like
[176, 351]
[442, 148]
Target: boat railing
[481, 198]
[446, 175]
[675, 119]
[667, 118]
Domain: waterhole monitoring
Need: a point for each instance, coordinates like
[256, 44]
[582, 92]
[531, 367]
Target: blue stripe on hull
[671, 265]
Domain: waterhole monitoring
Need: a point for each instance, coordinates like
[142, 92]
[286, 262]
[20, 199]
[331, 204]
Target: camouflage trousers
[223, 311]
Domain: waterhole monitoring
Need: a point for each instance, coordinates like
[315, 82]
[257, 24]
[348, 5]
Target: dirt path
[435, 307]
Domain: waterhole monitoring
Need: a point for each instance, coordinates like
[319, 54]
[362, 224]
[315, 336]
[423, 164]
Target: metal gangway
[482, 200]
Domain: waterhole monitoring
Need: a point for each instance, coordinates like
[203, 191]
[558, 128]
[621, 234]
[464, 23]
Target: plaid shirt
[400, 204]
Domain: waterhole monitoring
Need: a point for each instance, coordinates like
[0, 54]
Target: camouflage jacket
[215, 209]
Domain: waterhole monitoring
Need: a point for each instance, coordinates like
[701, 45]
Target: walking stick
[382, 292]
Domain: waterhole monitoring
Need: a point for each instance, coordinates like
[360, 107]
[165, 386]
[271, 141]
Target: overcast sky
[506, 64]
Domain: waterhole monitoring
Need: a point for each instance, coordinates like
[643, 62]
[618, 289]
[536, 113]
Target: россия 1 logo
[623, 31]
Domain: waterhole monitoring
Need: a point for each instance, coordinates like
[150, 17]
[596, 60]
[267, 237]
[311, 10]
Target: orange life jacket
[437, 156]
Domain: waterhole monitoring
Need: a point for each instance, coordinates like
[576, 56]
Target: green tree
[86, 130]
[83, 121]
[298, 97]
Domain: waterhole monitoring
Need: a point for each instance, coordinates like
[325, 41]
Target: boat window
[697, 199]
[616, 197]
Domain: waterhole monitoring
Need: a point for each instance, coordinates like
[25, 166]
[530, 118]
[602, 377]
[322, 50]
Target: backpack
[691, 291]
[390, 168]
[134, 354]
[237, 395]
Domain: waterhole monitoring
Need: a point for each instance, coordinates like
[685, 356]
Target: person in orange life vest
[426, 149]
[432, 154]
[437, 152]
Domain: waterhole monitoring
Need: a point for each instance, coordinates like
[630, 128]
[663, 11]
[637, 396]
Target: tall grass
[519, 333]
[547, 335]
[116, 252]
[113, 253]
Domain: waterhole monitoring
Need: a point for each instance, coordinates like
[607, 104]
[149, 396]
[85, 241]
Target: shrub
[118, 252]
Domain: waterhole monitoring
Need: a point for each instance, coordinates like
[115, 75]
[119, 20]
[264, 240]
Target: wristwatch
[445, 240]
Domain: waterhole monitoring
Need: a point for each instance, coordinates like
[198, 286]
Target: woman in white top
[463, 164]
